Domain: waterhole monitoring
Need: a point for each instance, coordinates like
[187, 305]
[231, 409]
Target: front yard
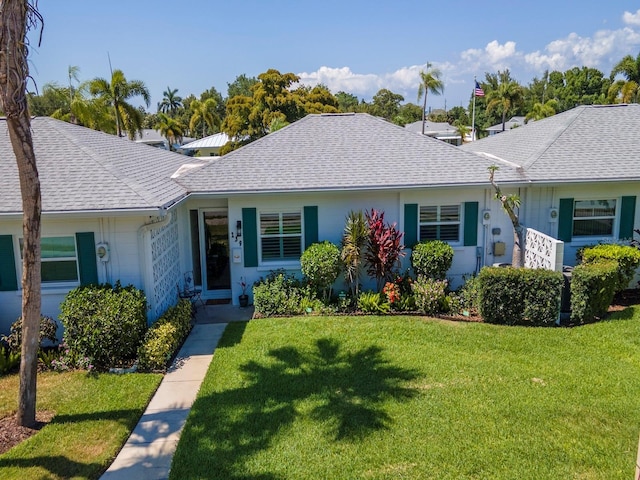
[410, 397]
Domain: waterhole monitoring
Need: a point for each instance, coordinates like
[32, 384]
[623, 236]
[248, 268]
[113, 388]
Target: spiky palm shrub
[354, 240]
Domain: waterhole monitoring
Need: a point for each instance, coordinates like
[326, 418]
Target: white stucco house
[159, 214]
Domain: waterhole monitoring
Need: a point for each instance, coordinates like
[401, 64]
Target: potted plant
[243, 298]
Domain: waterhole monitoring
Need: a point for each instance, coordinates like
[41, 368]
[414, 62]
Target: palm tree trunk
[424, 109]
[14, 72]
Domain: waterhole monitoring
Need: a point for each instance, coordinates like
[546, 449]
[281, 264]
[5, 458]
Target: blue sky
[350, 45]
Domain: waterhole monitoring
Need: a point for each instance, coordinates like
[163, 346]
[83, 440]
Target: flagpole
[473, 115]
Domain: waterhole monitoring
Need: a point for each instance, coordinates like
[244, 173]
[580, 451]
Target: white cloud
[493, 57]
[631, 18]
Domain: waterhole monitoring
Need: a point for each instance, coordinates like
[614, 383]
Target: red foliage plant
[384, 248]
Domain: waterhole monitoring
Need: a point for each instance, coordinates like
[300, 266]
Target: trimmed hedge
[164, 337]
[628, 259]
[520, 296]
[278, 294]
[593, 286]
[432, 259]
[104, 323]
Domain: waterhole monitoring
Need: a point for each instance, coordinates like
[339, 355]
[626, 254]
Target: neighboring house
[257, 208]
[206, 147]
[440, 130]
[515, 122]
[153, 138]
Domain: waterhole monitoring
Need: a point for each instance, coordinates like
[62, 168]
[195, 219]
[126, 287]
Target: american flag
[478, 91]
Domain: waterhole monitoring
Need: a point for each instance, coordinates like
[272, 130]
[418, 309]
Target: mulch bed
[12, 434]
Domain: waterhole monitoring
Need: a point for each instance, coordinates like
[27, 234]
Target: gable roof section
[212, 141]
[587, 143]
[85, 170]
[340, 152]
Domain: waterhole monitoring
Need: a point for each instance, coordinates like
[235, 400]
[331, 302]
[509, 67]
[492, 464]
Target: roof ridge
[553, 138]
[135, 187]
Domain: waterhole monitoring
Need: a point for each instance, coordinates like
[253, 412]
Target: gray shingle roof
[82, 169]
[341, 152]
[587, 143]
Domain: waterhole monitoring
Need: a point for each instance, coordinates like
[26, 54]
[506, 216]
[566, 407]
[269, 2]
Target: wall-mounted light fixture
[238, 229]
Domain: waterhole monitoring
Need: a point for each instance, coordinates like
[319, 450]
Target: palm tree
[622, 91]
[540, 111]
[629, 67]
[115, 94]
[171, 102]
[506, 95]
[204, 112]
[429, 82]
[170, 128]
[462, 129]
[354, 240]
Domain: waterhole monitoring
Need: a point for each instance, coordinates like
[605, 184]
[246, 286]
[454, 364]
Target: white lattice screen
[542, 251]
[165, 263]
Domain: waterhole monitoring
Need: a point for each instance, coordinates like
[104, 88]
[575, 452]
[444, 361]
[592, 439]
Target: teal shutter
[87, 265]
[470, 224]
[8, 275]
[410, 224]
[310, 226]
[565, 219]
[250, 234]
[627, 217]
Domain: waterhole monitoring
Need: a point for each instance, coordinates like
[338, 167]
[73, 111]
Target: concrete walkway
[149, 450]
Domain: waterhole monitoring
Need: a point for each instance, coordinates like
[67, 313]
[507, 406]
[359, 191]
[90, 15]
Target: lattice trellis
[542, 251]
[165, 262]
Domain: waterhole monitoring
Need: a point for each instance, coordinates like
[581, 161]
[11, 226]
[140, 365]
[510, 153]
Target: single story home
[510, 124]
[206, 147]
[440, 130]
[115, 210]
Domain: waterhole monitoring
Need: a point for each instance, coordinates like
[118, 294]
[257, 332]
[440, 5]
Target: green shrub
[320, 263]
[628, 259]
[519, 296]
[593, 286]
[469, 294]
[279, 294]
[164, 337]
[48, 329]
[373, 302]
[399, 293]
[432, 259]
[9, 361]
[429, 294]
[103, 323]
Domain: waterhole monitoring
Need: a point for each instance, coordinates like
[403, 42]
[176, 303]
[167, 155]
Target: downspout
[145, 255]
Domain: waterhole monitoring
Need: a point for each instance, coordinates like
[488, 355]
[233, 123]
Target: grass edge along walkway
[408, 397]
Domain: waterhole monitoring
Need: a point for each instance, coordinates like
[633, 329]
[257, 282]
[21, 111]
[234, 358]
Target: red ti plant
[384, 248]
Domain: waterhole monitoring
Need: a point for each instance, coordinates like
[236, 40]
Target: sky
[354, 46]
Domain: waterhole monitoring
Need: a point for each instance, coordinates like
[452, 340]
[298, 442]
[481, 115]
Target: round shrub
[320, 263]
[628, 259]
[103, 323]
[432, 259]
[48, 329]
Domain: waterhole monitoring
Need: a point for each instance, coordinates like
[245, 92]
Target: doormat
[218, 301]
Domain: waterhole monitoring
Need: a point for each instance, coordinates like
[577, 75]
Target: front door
[215, 250]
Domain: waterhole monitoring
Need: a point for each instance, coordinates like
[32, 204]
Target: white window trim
[51, 287]
[460, 222]
[590, 239]
[279, 262]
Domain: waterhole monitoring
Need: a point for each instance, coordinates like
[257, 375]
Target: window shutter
[8, 275]
[410, 224]
[250, 234]
[565, 219]
[470, 224]
[310, 226]
[87, 262]
[627, 217]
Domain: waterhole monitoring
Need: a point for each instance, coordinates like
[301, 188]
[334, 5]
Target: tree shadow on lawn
[344, 391]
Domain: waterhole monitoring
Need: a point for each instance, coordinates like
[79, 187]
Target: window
[280, 236]
[440, 223]
[59, 259]
[593, 218]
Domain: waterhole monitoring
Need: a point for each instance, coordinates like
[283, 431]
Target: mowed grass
[416, 398]
[94, 415]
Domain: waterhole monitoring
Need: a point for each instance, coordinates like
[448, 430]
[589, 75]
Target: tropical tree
[171, 102]
[540, 111]
[629, 67]
[386, 104]
[354, 240]
[347, 102]
[429, 82]
[622, 91]
[170, 128]
[384, 247]
[115, 94]
[203, 114]
[16, 17]
[509, 204]
[505, 96]
[242, 85]
[462, 129]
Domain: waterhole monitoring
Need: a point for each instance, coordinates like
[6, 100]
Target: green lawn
[94, 415]
[405, 397]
